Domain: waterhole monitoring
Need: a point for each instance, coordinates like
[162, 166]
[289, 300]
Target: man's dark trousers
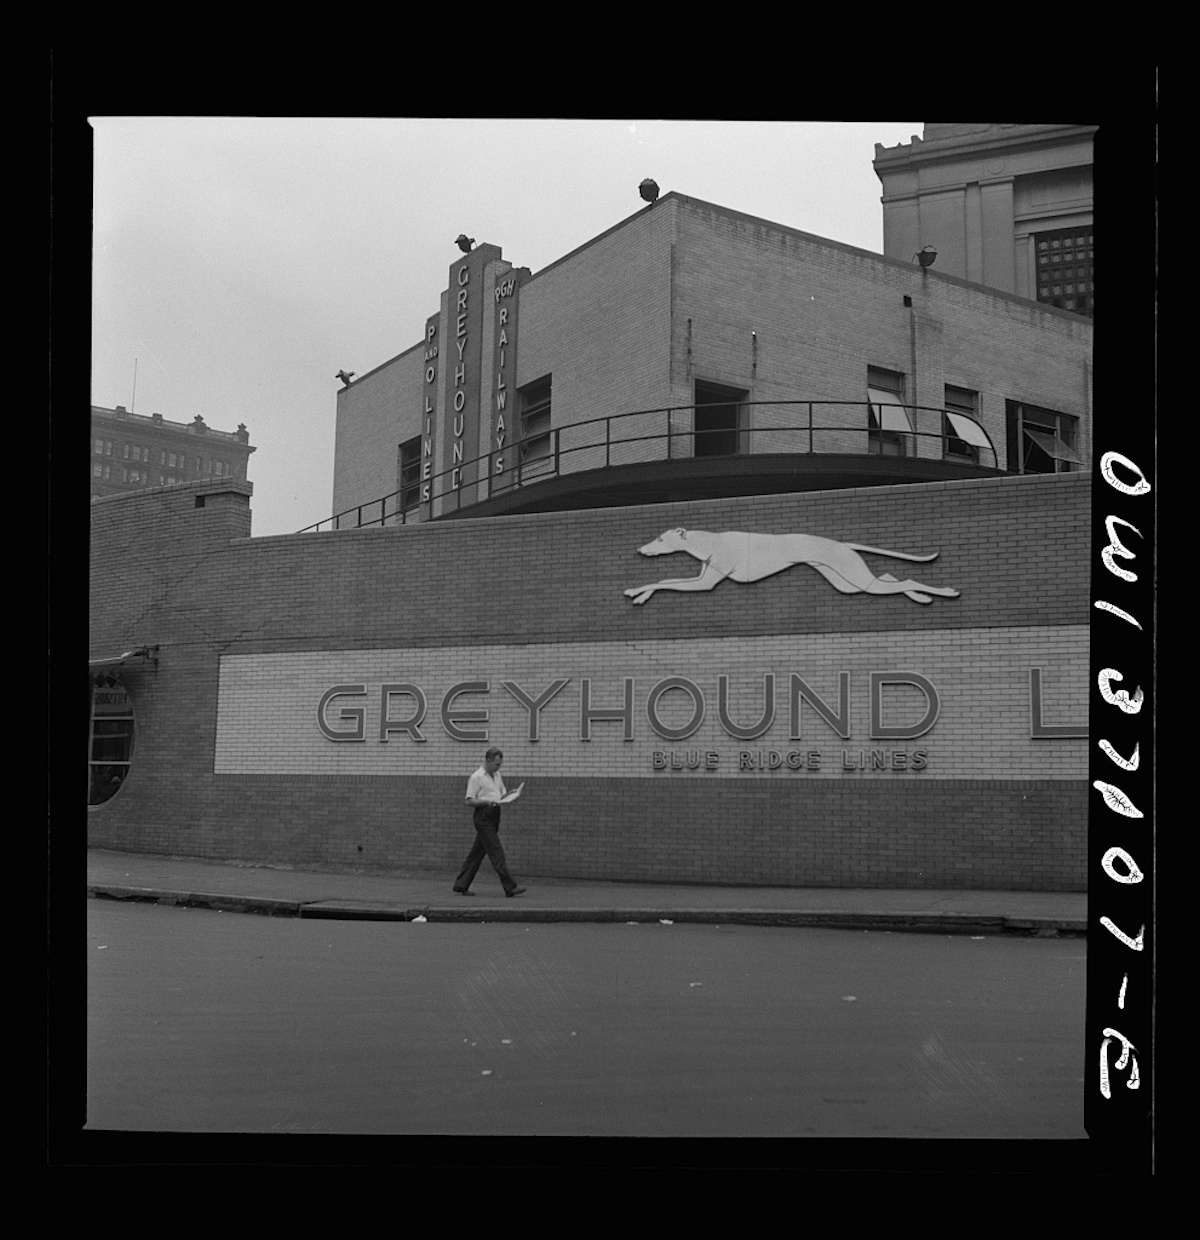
[487, 844]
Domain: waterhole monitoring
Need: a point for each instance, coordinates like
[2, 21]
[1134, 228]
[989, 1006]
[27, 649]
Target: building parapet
[200, 487]
[957, 140]
[196, 427]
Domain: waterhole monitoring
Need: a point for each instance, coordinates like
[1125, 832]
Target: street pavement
[408, 896]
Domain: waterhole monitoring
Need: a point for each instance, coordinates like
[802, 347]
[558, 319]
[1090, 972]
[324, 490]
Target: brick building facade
[685, 302]
[876, 683]
[1007, 205]
[325, 706]
[133, 451]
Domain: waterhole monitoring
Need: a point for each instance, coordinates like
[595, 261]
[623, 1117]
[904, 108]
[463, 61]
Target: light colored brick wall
[686, 291]
[250, 629]
[598, 320]
[822, 313]
[267, 704]
[376, 414]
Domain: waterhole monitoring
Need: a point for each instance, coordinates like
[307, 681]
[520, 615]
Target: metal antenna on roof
[133, 402]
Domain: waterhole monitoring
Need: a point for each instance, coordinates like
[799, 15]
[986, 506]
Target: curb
[190, 899]
[353, 910]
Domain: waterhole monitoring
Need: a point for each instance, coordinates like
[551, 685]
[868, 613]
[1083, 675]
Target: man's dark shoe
[459, 891]
[517, 891]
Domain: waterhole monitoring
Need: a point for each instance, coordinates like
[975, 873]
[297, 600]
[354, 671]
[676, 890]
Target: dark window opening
[719, 419]
[410, 473]
[535, 442]
[111, 744]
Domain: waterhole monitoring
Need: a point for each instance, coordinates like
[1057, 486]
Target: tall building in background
[133, 451]
[1009, 206]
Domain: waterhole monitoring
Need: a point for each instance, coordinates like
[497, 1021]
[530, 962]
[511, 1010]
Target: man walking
[485, 791]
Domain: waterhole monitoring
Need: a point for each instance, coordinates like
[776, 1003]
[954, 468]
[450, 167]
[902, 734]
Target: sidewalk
[238, 887]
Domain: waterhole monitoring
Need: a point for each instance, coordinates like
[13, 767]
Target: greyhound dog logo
[751, 557]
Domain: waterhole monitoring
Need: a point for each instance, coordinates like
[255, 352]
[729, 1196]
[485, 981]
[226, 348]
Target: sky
[239, 263]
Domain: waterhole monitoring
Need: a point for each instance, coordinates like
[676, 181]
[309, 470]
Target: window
[535, 442]
[111, 745]
[965, 440]
[99, 447]
[410, 473]
[97, 470]
[137, 453]
[1041, 441]
[1065, 275]
[889, 430]
[718, 419]
[107, 468]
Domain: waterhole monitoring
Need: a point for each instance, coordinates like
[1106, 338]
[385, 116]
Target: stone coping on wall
[201, 486]
[909, 490]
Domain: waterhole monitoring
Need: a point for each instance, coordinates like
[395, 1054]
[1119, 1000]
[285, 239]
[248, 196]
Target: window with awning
[965, 438]
[889, 428]
[1052, 445]
[1042, 441]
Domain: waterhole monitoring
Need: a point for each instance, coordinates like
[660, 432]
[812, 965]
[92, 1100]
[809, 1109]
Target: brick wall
[686, 291]
[376, 414]
[599, 321]
[822, 313]
[253, 631]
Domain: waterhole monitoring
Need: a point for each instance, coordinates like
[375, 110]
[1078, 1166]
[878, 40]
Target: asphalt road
[205, 1022]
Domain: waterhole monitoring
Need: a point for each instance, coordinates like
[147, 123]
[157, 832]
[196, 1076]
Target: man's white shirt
[484, 787]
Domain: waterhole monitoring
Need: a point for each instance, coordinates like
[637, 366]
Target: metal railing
[593, 445]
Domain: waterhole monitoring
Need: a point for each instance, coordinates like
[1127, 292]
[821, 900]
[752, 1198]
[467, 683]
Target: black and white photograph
[611, 630]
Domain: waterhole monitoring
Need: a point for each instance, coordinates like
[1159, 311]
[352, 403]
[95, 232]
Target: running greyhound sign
[742, 557]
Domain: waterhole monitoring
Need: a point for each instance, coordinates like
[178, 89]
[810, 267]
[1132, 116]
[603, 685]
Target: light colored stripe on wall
[267, 705]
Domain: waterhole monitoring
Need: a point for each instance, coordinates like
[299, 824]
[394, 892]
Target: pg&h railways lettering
[504, 352]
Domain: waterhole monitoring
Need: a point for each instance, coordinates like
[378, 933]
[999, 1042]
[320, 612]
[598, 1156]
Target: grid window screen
[1065, 269]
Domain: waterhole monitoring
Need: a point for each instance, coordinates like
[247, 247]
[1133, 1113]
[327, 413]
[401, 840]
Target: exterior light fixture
[649, 190]
[345, 376]
[464, 242]
[926, 256]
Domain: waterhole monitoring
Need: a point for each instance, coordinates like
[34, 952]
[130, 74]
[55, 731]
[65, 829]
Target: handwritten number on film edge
[1114, 798]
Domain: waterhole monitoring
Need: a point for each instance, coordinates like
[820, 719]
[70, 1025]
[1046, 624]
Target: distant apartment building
[1010, 206]
[134, 451]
